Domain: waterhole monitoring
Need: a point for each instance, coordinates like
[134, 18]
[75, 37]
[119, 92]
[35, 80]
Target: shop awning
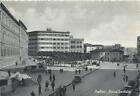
[20, 76]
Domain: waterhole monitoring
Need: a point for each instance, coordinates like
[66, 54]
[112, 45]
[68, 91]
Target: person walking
[53, 85]
[75, 71]
[53, 77]
[126, 78]
[79, 71]
[60, 91]
[50, 77]
[64, 90]
[114, 74]
[124, 69]
[46, 85]
[9, 73]
[73, 86]
[39, 79]
[39, 90]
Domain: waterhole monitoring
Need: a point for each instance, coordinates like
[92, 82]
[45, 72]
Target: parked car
[131, 83]
[77, 79]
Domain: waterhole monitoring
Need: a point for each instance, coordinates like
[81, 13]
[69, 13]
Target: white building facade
[10, 46]
[53, 41]
[48, 41]
[90, 47]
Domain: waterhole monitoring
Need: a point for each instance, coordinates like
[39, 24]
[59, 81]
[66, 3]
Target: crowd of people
[49, 84]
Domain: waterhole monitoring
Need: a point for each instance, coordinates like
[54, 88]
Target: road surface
[103, 81]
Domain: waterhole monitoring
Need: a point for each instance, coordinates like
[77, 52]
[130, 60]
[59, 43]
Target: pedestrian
[73, 86]
[22, 82]
[16, 63]
[50, 77]
[137, 65]
[53, 85]
[126, 78]
[39, 79]
[75, 71]
[32, 93]
[9, 73]
[60, 91]
[46, 85]
[79, 71]
[39, 90]
[64, 90]
[86, 68]
[114, 74]
[124, 69]
[62, 70]
[53, 77]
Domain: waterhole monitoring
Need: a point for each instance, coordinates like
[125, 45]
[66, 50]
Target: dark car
[131, 83]
[77, 79]
[95, 63]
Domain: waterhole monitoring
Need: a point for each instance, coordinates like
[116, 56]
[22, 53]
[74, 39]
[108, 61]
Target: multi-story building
[48, 41]
[90, 47]
[107, 54]
[11, 36]
[76, 45]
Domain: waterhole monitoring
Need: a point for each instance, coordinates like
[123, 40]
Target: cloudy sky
[97, 22]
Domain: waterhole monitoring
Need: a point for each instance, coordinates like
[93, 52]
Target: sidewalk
[110, 65]
[18, 67]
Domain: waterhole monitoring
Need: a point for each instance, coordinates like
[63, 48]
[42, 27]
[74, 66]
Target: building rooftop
[20, 22]
[88, 44]
[47, 32]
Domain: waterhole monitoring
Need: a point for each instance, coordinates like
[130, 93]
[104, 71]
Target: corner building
[48, 41]
[10, 38]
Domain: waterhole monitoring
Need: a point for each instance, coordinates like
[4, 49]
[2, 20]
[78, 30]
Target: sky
[103, 22]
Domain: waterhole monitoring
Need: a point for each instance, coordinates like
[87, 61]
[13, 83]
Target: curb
[53, 94]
